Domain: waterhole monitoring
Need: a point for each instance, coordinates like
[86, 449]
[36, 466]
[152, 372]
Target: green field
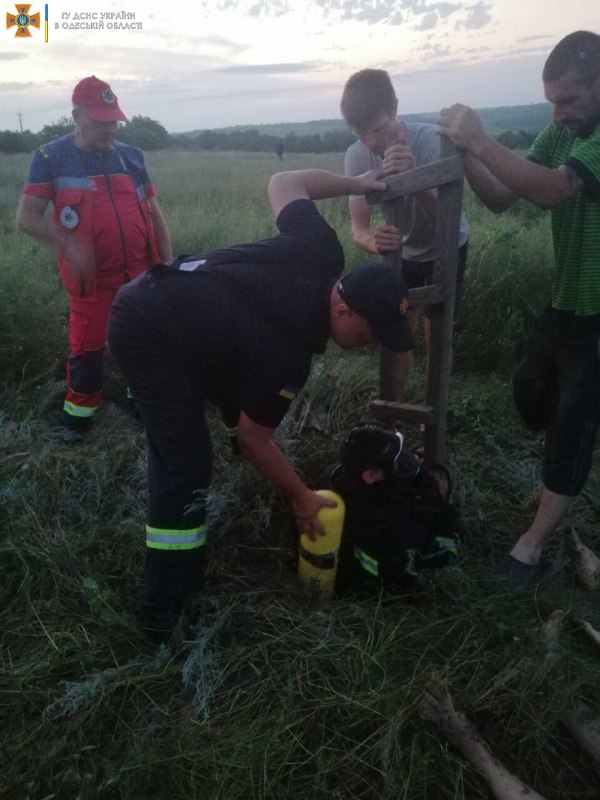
[275, 699]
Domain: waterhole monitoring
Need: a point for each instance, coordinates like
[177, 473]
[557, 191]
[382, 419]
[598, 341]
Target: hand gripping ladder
[447, 175]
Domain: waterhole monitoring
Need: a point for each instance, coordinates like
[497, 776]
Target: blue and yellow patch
[289, 392]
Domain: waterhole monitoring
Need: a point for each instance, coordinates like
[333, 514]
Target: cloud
[268, 9]
[534, 38]
[268, 93]
[270, 69]
[409, 76]
[219, 42]
[371, 12]
[524, 51]
[252, 8]
[445, 9]
[428, 21]
[433, 49]
[478, 16]
[14, 86]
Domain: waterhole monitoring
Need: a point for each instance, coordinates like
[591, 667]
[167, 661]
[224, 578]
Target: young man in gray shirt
[369, 107]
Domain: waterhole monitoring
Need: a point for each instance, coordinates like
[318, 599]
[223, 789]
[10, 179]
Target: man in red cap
[107, 226]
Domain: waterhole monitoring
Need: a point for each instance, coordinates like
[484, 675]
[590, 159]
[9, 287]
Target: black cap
[377, 293]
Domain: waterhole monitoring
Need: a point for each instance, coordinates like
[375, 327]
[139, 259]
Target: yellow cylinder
[317, 560]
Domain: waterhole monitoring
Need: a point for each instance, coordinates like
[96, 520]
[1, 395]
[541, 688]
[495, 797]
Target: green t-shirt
[576, 222]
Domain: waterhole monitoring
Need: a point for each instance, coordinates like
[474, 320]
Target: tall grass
[221, 198]
[508, 281]
[274, 698]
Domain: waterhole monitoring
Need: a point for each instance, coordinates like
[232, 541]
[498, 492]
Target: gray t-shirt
[425, 145]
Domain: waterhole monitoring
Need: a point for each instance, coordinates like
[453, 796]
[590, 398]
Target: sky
[215, 63]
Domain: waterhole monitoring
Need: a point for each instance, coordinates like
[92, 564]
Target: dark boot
[158, 618]
[174, 579]
[73, 430]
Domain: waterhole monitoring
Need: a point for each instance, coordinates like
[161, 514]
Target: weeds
[273, 699]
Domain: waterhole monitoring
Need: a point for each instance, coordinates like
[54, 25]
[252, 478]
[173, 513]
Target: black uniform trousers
[149, 342]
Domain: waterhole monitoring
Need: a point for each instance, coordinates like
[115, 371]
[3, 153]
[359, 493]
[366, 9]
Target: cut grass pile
[275, 698]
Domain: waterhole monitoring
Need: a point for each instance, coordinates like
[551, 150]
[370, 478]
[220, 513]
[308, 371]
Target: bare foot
[437, 707]
[591, 632]
[587, 563]
[580, 724]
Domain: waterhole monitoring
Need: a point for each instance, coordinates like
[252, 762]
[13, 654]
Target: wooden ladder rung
[447, 175]
[426, 176]
[407, 412]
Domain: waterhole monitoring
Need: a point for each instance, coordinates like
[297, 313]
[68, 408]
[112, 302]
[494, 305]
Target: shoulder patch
[289, 392]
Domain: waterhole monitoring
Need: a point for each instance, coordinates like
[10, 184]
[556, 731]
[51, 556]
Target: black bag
[395, 528]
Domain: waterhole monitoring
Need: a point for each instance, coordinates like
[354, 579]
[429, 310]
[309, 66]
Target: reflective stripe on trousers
[447, 545]
[165, 539]
[83, 412]
[367, 562]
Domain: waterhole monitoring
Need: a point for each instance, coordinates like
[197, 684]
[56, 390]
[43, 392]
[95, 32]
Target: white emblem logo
[69, 218]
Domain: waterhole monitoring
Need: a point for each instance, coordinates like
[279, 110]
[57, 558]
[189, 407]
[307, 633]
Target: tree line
[140, 131]
[149, 134]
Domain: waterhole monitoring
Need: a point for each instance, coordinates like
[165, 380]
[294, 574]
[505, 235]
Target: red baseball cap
[98, 99]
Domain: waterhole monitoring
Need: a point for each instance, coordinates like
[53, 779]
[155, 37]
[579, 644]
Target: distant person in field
[279, 148]
[106, 225]
[557, 384]
[369, 107]
[238, 327]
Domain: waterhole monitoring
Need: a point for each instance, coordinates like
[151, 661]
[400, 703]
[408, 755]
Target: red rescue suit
[103, 200]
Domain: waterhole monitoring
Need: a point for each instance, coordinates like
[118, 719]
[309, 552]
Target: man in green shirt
[557, 385]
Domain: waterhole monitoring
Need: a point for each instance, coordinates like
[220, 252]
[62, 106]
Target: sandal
[510, 573]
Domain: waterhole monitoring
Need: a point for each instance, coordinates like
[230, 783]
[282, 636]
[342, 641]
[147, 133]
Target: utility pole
[20, 116]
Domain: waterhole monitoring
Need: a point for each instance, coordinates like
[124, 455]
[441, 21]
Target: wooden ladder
[447, 175]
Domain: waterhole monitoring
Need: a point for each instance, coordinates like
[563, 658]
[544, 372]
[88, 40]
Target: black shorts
[420, 273]
[557, 389]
